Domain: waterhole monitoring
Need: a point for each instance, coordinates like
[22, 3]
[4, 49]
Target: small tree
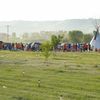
[55, 40]
[46, 47]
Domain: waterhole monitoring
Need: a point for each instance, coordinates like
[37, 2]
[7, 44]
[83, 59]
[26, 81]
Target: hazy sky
[36, 10]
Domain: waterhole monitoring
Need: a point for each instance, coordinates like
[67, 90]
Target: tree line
[77, 36]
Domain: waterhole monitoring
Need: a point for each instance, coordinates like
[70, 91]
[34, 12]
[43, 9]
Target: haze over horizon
[85, 25]
[48, 10]
[48, 15]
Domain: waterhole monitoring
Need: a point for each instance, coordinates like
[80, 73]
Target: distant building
[3, 37]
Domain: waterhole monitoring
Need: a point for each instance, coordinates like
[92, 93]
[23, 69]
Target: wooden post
[39, 83]
[61, 97]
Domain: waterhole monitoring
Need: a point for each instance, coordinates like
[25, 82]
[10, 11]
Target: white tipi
[95, 42]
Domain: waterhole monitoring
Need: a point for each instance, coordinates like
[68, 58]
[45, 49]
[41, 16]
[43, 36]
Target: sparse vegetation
[76, 83]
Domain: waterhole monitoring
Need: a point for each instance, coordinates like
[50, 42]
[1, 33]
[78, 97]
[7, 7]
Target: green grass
[76, 76]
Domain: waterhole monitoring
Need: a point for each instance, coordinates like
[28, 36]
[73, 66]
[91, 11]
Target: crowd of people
[76, 47]
[36, 46]
[20, 46]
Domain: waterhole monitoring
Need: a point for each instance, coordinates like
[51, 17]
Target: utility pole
[7, 32]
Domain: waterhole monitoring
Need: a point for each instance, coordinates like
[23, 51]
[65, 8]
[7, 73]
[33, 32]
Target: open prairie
[27, 76]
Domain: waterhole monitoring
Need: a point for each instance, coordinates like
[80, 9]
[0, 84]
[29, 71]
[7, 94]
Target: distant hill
[85, 25]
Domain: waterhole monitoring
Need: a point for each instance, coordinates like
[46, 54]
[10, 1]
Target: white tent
[95, 42]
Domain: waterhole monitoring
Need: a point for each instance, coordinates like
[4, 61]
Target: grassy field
[76, 76]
